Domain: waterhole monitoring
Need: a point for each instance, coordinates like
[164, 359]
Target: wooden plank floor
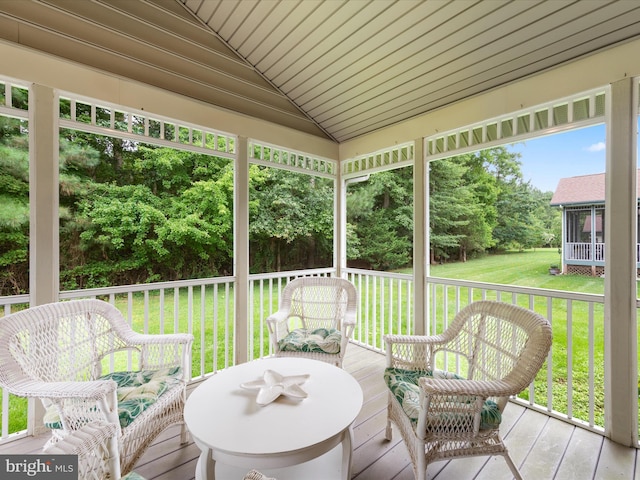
[542, 447]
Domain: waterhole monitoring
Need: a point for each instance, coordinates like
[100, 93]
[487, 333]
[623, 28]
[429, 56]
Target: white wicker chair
[56, 352]
[497, 348]
[308, 304]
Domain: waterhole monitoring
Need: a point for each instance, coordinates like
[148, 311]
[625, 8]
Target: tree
[14, 206]
[479, 231]
[479, 201]
[138, 213]
[550, 219]
[380, 212]
[450, 207]
[517, 226]
[291, 220]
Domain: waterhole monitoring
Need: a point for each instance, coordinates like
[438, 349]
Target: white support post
[44, 255]
[420, 238]
[340, 223]
[563, 249]
[241, 252]
[44, 250]
[621, 360]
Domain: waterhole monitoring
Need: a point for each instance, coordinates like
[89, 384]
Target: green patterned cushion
[320, 340]
[136, 391]
[404, 386]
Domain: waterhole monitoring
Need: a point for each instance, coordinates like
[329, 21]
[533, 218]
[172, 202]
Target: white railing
[571, 384]
[202, 307]
[582, 251]
[386, 306]
[7, 305]
[569, 387]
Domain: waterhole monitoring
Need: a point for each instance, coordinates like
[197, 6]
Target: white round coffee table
[231, 428]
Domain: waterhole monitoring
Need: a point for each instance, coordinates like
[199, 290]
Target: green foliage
[14, 206]
[479, 202]
[450, 209]
[290, 220]
[380, 220]
[172, 230]
[132, 212]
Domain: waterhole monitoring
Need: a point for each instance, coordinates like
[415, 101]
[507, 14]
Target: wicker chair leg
[512, 466]
[388, 433]
[185, 437]
[114, 457]
[421, 467]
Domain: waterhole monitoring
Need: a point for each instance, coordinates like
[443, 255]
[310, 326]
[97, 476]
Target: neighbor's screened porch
[584, 243]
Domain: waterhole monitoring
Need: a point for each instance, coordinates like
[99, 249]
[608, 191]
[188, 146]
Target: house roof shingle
[583, 189]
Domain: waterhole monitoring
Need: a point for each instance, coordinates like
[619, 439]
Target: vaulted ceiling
[333, 68]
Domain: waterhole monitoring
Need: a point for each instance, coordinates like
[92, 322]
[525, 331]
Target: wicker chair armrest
[417, 339]
[349, 321]
[413, 352]
[485, 389]
[142, 339]
[277, 317]
[85, 390]
[256, 475]
[278, 324]
[164, 350]
[96, 446]
[348, 325]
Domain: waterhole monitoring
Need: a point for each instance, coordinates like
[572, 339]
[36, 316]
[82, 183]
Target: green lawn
[529, 268]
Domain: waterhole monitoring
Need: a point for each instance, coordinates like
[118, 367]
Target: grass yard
[529, 268]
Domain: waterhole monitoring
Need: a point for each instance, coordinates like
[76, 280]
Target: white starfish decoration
[272, 385]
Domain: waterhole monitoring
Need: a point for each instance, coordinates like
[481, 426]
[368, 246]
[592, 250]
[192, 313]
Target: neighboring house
[581, 200]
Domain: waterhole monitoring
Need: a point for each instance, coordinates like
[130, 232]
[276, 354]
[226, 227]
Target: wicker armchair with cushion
[447, 392]
[315, 319]
[57, 352]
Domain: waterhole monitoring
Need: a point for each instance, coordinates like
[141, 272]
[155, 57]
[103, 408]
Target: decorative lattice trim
[287, 159]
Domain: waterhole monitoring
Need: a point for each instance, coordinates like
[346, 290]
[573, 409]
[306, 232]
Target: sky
[548, 159]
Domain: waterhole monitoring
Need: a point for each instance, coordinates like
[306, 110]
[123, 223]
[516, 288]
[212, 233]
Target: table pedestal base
[333, 465]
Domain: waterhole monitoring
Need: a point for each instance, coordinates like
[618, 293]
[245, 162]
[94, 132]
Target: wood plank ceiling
[333, 68]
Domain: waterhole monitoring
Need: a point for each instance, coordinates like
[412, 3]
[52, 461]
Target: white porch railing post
[621, 360]
[241, 252]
